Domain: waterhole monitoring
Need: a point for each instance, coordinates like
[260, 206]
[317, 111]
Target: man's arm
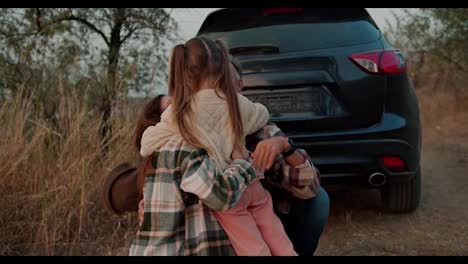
[295, 173]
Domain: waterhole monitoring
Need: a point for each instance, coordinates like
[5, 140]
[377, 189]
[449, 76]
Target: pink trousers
[252, 226]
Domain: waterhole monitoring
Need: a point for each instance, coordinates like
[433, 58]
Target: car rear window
[289, 31]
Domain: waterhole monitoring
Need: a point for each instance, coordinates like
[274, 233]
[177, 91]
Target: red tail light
[381, 62]
[269, 11]
[394, 163]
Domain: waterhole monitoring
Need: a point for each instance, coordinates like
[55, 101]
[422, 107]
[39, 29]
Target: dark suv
[337, 88]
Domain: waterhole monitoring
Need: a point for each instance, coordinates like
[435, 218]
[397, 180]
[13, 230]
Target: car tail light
[381, 62]
[269, 11]
[394, 163]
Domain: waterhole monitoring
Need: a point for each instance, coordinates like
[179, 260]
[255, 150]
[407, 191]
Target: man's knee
[320, 206]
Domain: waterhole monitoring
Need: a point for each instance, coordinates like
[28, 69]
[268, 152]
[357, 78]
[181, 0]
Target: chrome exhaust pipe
[377, 179]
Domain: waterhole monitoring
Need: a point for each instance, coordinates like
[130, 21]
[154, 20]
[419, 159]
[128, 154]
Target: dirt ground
[439, 227]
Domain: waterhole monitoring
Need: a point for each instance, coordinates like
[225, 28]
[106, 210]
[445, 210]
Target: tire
[402, 197]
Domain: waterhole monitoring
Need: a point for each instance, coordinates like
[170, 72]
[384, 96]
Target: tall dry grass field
[50, 180]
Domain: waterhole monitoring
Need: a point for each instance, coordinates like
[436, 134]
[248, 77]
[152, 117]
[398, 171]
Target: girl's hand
[141, 212]
[266, 152]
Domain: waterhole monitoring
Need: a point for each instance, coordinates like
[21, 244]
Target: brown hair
[149, 116]
[191, 64]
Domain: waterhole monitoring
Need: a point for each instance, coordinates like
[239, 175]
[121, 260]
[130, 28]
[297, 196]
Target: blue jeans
[305, 222]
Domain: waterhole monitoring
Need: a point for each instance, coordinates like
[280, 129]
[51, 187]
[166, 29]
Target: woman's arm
[219, 190]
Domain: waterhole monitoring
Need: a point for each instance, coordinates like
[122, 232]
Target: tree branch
[68, 17]
[148, 22]
[89, 25]
[38, 18]
[129, 34]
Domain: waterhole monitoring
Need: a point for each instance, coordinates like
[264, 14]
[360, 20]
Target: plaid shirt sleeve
[302, 181]
[219, 190]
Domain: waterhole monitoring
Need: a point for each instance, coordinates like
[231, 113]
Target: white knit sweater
[211, 125]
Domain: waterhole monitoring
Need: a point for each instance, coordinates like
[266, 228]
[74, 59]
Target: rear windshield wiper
[260, 49]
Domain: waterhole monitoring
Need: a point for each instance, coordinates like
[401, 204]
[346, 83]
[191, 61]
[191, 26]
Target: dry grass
[443, 115]
[51, 178]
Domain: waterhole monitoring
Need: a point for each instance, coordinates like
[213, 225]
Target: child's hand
[266, 152]
[141, 212]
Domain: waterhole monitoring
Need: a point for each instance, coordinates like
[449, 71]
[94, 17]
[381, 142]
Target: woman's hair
[201, 59]
[149, 116]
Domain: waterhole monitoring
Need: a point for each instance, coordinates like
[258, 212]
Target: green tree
[441, 31]
[436, 40]
[124, 48]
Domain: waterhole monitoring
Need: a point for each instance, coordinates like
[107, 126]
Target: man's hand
[267, 150]
[141, 212]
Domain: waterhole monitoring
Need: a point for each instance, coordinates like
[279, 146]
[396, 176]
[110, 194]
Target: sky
[190, 19]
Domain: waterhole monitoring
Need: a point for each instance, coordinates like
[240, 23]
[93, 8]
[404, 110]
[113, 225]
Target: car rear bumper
[352, 156]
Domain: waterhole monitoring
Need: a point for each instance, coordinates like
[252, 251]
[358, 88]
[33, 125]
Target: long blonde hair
[190, 65]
